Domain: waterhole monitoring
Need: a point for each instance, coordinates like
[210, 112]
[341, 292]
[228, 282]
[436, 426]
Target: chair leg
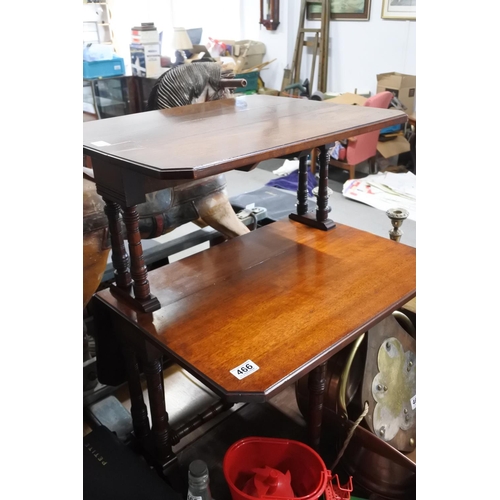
[344, 166]
[352, 171]
[372, 166]
[314, 156]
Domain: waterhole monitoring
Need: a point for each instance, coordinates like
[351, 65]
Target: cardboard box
[146, 60]
[249, 52]
[348, 98]
[387, 148]
[145, 33]
[401, 85]
[396, 146]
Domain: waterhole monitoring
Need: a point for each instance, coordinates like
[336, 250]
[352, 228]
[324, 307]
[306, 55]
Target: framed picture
[399, 9]
[342, 10]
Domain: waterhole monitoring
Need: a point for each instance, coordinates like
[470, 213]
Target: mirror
[270, 14]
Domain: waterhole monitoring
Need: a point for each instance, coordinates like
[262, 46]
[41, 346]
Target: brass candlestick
[397, 216]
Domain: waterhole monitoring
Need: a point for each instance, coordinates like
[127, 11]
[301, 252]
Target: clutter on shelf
[247, 54]
[100, 61]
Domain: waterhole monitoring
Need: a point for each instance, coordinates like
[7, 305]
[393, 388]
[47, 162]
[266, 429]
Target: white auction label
[245, 369]
[413, 402]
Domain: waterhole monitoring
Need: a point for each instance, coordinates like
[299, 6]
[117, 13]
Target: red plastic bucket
[309, 475]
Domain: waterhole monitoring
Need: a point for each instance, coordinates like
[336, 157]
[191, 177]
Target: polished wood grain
[137, 154]
[196, 141]
[285, 296]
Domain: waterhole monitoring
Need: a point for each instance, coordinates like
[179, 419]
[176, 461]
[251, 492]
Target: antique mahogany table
[252, 315]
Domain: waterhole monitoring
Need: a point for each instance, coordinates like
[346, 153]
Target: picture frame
[342, 10]
[403, 10]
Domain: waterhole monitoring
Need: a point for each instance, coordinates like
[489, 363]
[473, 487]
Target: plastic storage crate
[110, 67]
[252, 79]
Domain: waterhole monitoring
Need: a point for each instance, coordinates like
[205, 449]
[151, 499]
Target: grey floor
[343, 210]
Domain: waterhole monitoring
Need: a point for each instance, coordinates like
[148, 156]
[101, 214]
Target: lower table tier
[252, 315]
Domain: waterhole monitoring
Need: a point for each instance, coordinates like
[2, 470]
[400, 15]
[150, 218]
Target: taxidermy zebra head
[188, 84]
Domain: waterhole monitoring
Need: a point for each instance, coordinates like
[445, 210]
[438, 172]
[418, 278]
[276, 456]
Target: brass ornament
[397, 216]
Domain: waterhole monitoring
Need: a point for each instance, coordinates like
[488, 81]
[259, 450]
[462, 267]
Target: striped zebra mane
[188, 83]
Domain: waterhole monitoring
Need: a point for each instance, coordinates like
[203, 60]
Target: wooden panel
[214, 137]
[284, 296]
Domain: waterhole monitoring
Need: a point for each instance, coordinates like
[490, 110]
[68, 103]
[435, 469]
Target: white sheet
[385, 190]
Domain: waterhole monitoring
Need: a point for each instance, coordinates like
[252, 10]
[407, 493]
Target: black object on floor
[112, 470]
[110, 413]
[279, 203]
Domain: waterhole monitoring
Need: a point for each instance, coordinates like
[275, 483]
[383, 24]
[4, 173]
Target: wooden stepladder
[319, 44]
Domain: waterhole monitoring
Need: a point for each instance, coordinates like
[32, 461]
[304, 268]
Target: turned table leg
[138, 268]
[119, 255]
[316, 386]
[131, 274]
[322, 209]
[302, 191]
[320, 220]
[159, 416]
[138, 408]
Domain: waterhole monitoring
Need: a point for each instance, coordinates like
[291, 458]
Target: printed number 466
[244, 369]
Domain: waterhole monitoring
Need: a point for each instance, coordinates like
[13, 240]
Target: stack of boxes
[145, 51]
[246, 53]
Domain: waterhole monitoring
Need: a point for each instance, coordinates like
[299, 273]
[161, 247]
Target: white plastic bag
[97, 52]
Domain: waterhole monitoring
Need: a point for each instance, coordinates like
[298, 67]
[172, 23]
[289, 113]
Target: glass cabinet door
[116, 96]
[106, 97]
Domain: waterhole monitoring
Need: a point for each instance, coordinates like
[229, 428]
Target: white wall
[219, 19]
[359, 50]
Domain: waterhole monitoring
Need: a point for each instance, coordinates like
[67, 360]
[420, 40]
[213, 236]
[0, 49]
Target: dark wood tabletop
[285, 296]
[214, 137]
